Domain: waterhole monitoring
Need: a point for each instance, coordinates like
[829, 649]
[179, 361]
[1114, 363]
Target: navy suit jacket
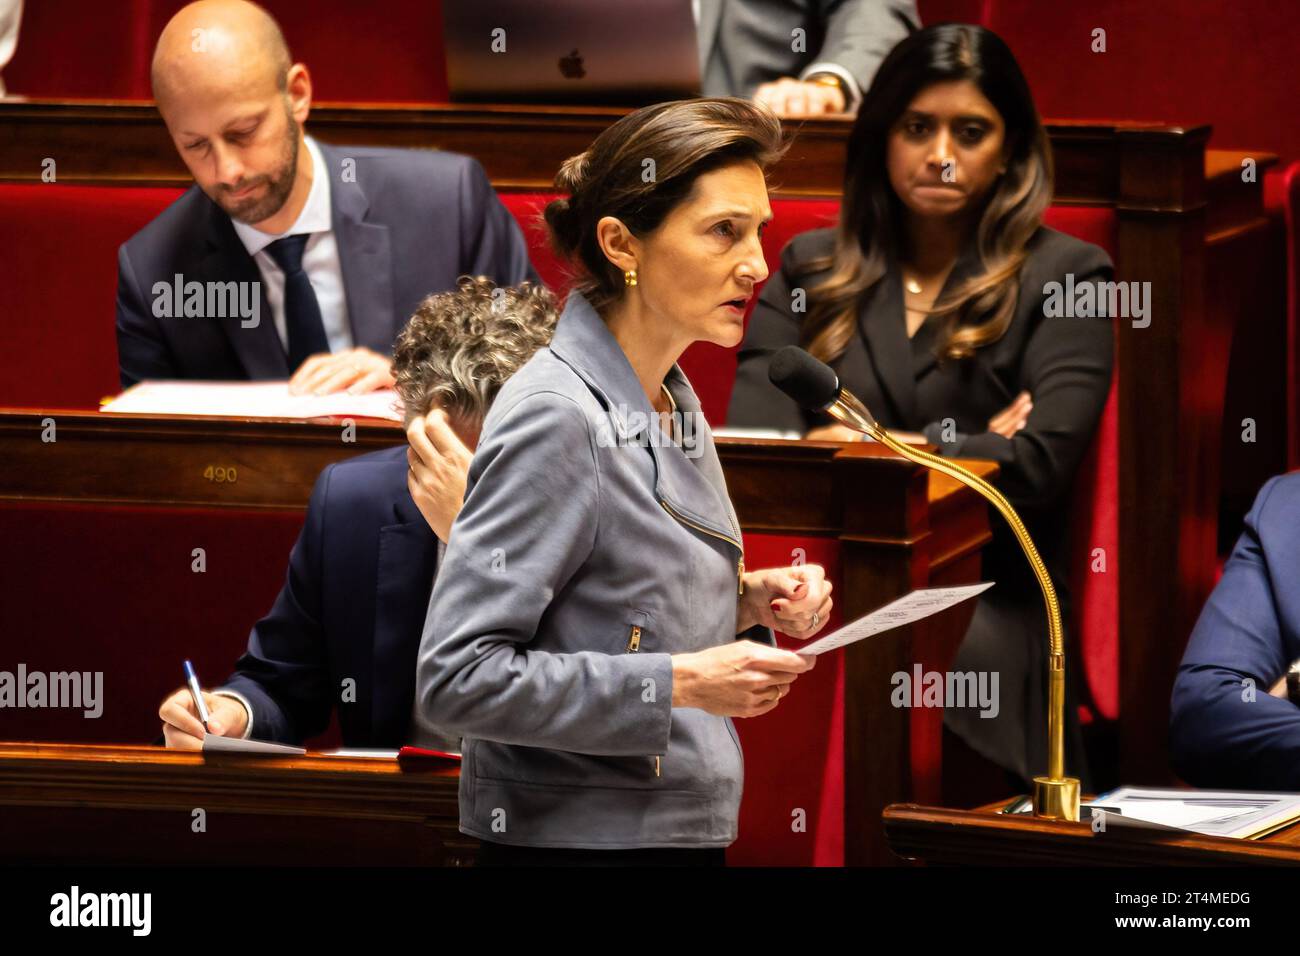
[353, 606]
[1222, 735]
[408, 224]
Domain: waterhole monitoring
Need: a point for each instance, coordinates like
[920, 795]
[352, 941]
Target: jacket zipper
[740, 564]
[740, 576]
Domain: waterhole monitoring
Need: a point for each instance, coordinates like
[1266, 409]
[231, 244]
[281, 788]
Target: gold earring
[629, 277]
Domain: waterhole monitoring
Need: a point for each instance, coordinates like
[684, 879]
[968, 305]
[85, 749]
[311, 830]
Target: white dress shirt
[320, 260]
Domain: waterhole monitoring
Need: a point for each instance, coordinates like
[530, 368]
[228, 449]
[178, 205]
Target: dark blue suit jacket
[353, 606]
[409, 225]
[1249, 630]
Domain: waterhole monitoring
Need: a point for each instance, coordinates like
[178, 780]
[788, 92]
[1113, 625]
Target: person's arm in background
[284, 675]
[141, 351]
[859, 34]
[1225, 729]
[492, 244]
[1067, 370]
[755, 401]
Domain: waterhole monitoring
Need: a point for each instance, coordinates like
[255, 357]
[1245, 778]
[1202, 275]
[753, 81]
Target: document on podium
[250, 400]
[906, 610]
[1240, 814]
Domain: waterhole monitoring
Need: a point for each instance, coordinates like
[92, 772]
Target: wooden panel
[68, 803]
[520, 146]
[162, 460]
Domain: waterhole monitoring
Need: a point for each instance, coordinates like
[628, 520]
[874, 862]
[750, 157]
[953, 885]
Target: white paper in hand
[907, 609]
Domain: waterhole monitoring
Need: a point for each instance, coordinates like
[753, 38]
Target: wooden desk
[74, 803]
[164, 460]
[983, 837]
[885, 525]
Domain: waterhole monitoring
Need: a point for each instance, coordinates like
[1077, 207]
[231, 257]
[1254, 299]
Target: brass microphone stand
[1056, 796]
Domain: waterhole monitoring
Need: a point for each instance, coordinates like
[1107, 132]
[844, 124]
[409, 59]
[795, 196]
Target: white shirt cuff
[852, 95]
[248, 727]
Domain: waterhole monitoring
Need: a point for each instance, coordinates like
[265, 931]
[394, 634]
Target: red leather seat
[59, 245]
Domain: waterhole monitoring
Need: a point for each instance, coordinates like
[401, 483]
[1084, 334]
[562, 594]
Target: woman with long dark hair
[928, 299]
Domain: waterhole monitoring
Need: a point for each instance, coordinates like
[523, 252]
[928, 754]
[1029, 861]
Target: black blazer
[407, 224]
[1064, 363]
[353, 606]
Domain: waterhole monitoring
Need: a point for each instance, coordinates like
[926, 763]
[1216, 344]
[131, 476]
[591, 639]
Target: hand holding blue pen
[192, 682]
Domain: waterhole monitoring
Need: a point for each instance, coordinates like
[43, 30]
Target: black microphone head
[813, 384]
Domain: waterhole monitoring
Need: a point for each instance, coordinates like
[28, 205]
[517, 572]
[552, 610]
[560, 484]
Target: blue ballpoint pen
[192, 680]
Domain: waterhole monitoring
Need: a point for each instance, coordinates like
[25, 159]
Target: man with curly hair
[346, 626]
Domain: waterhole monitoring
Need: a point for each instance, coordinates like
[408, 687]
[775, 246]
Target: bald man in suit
[288, 258]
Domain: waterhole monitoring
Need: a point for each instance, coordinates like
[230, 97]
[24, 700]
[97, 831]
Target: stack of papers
[1244, 815]
[250, 400]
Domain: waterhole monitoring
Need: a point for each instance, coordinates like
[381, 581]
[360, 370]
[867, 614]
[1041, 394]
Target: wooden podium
[984, 837]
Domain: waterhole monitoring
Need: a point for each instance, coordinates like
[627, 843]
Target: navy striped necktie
[302, 317]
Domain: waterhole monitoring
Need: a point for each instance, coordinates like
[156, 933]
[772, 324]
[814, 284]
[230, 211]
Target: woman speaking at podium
[582, 636]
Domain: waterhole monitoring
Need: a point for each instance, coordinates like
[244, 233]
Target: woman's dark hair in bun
[642, 167]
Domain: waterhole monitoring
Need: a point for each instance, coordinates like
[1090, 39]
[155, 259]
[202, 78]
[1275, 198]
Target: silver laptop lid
[602, 51]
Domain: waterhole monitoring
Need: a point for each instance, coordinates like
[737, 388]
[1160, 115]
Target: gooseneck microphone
[815, 386]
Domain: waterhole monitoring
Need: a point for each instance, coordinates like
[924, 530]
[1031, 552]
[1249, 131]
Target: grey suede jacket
[589, 549]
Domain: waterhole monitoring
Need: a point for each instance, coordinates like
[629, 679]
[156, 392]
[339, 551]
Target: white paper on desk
[250, 400]
[736, 431]
[1226, 813]
[906, 610]
[367, 752]
[214, 743]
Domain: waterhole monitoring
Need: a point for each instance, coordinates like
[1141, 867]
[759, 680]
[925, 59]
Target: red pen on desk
[422, 755]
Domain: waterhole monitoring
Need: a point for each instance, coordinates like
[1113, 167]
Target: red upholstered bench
[113, 589]
[59, 245]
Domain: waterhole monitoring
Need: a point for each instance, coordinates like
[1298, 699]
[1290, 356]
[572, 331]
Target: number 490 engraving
[220, 474]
